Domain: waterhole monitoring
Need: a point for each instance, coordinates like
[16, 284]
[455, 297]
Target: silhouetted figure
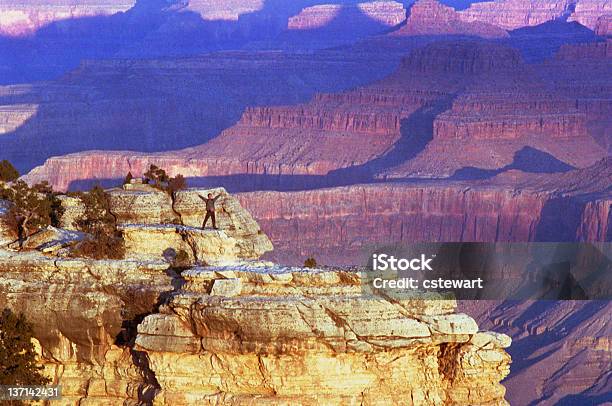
[210, 209]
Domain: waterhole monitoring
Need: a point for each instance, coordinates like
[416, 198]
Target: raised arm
[200, 196]
[216, 197]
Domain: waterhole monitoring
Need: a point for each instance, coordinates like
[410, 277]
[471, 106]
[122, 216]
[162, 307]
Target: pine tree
[17, 355]
[8, 173]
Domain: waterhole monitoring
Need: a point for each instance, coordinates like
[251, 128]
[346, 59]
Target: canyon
[343, 225]
[241, 330]
[451, 108]
[345, 127]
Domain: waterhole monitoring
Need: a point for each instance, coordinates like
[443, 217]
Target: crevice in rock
[447, 361]
[190, 243]
[126, 338]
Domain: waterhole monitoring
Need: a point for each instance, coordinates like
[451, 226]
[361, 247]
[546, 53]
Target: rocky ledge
[264, 333]
[233, 329]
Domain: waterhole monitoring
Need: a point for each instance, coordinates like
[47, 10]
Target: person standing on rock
[210, 209]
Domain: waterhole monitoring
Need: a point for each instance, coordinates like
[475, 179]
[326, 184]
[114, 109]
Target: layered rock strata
[590, 13]
[137, 332]
[513, 14]
[311, 337]
[386, 14]
[571, 369]
[156, 225]
[448, 106]
[430, 17]
[82, 312]
[341, 225]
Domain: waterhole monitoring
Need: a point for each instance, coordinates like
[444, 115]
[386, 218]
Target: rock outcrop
[136, 331]
[156, 226]
[430, 17]
[83, 312]
[279, 335]
[383, 14]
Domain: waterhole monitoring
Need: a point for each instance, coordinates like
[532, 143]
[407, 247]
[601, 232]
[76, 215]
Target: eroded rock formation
[138, 331]
[449, 105]
[430, 17]
[594, 14]
[82, 312]
[382, 13]
[312, 337]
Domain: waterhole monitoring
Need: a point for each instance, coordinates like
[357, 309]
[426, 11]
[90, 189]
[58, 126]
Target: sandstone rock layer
[285, 335]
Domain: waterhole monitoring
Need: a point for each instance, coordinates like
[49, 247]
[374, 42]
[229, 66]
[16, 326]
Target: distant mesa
[430, 17]
[383, 13]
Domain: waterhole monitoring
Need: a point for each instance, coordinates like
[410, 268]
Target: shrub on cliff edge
[106, 241]
[17, 356]
[159, 179]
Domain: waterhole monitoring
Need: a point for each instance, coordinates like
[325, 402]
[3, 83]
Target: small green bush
[106, 241]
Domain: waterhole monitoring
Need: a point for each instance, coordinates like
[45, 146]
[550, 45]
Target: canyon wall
[513, 14]
[340, 224]
[24, 17]
[589, 12]
[569, 367]
[430, 17]
[510, 115]
[449, 106]
[156, 105]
